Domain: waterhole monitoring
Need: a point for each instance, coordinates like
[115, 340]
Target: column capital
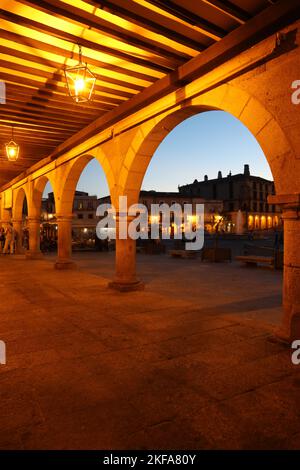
[289, 203]
[34, 219]
[64, 217]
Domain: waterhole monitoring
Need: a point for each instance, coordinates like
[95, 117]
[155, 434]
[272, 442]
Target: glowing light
[80, 81]
[79, 86]
[12, 149]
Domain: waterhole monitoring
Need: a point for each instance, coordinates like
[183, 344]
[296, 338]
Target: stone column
[125, 279]
[17, 225]
[34, 251]
[64, 242]
[290, 327]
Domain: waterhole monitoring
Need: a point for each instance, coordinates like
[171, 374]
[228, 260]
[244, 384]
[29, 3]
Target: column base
[64, 264]
[290, 327]
[126, 286]
[34, 255]
[283, 335]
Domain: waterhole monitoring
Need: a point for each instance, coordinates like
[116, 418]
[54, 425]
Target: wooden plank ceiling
[128, 44]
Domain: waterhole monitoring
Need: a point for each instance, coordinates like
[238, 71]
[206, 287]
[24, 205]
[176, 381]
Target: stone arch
[260, 122]
[72, 173]
[19, 196]
[38, 186]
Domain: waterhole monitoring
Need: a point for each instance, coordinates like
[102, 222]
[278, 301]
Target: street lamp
[12, 148]
[80, 81]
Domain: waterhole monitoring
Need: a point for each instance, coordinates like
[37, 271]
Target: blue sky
[202, 144]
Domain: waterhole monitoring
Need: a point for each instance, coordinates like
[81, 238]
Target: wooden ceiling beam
[57, 76]
[19, 118]
[45, 47]
[155, 63]
[52, 86]
[140, 16]
[5, 128]
[186, 15]
[46, 114]
[21, 138]
[34, 128]
[96, 23]
[25, 102]
[44, 97]
[23, 141]
[230, 9]
[57, 66]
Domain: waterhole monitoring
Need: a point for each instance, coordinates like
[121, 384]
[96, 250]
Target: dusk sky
[202, 144]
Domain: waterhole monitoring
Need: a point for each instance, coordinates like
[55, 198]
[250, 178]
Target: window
[80, 216]
[91, 216]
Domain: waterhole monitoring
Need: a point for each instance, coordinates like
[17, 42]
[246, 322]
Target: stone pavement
[191, 362]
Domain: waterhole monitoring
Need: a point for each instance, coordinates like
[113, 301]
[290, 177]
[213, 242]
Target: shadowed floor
[191, 362]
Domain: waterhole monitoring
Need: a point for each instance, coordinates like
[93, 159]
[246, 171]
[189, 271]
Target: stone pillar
[17, 226]
[290, 327]
[64, 242]
[34, 251]
[125, 279]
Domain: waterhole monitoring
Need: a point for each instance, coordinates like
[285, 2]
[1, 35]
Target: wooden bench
[182, 254]
[253, 260]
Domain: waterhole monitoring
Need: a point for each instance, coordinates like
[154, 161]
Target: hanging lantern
[80, 81]
[12, 148]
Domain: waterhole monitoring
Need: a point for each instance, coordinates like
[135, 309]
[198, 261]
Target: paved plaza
[191, 362]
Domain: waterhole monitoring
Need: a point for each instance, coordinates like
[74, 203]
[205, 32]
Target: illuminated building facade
[212, 208]
[84, 217]
[244, 199]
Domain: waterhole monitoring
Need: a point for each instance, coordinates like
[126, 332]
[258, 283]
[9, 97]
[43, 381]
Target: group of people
[7, 239]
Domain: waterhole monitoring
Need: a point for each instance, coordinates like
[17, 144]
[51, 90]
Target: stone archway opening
[85, 182]
[202, 158]
[20, 221]
[38, 224]
[49, 227]
[91, 186]
[263, 126]
[217, 173]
